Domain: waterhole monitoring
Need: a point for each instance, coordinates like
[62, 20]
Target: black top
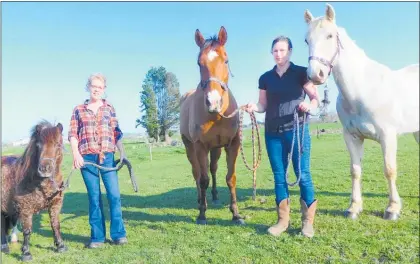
[283, 96]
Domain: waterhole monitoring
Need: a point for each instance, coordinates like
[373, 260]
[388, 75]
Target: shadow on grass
[76, 205]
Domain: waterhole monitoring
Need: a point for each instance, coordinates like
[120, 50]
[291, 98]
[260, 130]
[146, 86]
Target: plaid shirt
[98, 133]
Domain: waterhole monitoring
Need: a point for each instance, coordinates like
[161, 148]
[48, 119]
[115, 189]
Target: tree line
[159, 103]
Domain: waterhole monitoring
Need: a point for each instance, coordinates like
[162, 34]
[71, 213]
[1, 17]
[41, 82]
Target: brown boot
[308, 216]
[283, 211]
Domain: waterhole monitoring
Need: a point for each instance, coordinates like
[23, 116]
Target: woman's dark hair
[282, 38]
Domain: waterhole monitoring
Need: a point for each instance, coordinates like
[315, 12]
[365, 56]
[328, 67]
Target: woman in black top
[282, 92]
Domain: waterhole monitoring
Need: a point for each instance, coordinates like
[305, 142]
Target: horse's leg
[27, 230]
[202, 156]
[192, 157]
[231, 155]
[214, 158]
[54, 212]
[389, 149]
[355, 148]
[417, 136]
[4, 231]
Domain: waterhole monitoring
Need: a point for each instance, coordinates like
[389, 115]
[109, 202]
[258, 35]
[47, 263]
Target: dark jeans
[96, 216]
[278, 146]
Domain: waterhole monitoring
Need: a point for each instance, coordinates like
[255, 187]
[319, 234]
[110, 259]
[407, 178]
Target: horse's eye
[306, 41]
[227, 61]
[329, 36]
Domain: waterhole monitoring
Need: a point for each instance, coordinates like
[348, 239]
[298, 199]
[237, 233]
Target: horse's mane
[212, 42]
[349, 43]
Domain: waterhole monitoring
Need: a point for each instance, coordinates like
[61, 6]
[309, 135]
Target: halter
[330, 62]
[214, 79]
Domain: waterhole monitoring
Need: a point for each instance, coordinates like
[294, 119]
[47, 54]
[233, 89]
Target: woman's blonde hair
[98, 76]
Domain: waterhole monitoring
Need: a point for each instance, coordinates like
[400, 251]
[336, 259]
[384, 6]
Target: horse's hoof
[61, 249]
[26, 257]
[391, 216]
[201, 222]
[239, 221]
[5, 248]
[351, 215]
[216, 202]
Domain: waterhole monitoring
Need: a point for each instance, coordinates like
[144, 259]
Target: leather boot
[308, 216]
[283, 220]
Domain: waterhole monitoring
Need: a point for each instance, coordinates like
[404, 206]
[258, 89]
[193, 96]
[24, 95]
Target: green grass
[160, 219]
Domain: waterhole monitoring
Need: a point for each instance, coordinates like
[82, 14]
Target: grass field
[160, 219]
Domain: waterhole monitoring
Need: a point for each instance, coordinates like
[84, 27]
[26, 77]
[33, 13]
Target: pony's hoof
[351, 215]
[26, 257]
[391, 216]
[239, 221]
[5, 248]
[217, 202]
[61, 249]
[201, 222]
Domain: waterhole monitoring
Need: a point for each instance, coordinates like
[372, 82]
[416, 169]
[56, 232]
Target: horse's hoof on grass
[391, 216]
[351, 215]
[5, 249]
[61, 249]
[26, 257]
[239, 221]
[216, 202]
[201, 222]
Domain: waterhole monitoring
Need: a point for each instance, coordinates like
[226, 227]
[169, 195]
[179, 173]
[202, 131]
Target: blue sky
[49, 49]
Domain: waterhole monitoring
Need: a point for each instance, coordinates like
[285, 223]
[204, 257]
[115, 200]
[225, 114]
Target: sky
[50, 49]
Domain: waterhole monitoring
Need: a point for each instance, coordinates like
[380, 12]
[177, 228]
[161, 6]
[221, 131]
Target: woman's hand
[251, 107]
[304, 107]
[78, 161]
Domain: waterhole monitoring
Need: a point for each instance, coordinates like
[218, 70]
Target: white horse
[374, 102]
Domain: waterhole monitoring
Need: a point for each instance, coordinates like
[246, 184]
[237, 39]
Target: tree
[169, 115]
[148, 105]
[166, 96]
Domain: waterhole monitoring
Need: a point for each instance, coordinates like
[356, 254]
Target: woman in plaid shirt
[94, 134]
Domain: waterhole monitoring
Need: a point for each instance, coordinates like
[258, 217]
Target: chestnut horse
[203, 124]
[31, 183]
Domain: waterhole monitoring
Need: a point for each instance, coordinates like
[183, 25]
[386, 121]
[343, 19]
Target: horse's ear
[199, 39]
[308, 16]
[222, 38]
[38, 129]
[60, 127]
[330, 13]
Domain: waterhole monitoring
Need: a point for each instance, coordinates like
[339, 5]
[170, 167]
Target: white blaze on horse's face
[214, 99]
[211, 55]
[322, 43]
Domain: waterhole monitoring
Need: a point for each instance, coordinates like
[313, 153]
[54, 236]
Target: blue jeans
[96, 216]
[278, 148]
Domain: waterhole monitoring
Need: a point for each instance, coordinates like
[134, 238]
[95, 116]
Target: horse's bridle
[330, 62]
[214, 79]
